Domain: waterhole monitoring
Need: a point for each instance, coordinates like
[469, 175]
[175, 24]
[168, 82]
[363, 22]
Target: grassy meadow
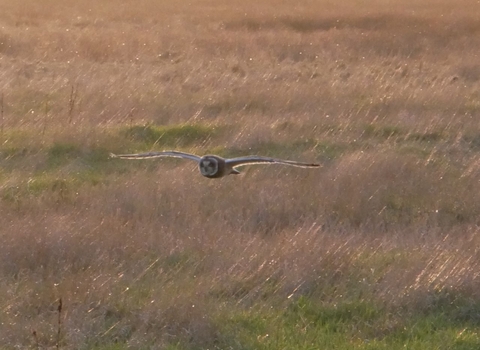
[377, 249]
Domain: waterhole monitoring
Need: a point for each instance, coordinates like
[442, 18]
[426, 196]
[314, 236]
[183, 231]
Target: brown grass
[386, 97]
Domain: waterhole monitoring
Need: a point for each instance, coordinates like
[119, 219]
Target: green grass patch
[61, 152]
[382, 132]
[84, 159]
[330, 150]
[425, 137]
[172, 136]
[9, 152]
[60, 189]
[36, 186]
[389, 132]
[311, 324]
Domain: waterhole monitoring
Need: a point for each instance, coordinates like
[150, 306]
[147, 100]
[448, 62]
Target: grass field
[377, 249]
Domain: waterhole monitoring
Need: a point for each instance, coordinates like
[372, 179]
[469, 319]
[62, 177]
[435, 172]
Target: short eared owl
[212, 166]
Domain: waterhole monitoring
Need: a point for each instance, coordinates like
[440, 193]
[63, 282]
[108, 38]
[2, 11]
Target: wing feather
[241, 161]
[149, 155]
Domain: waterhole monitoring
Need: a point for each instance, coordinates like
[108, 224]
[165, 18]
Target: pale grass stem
[71, 102]
[2, 116]
[130, 116]
[45, 118]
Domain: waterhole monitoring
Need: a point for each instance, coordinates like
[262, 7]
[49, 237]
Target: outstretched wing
[148, 155]
[240, 161]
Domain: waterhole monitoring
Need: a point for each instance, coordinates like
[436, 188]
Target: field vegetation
[377, 249]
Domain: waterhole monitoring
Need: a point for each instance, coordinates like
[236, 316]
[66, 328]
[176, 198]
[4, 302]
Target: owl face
[208, 166]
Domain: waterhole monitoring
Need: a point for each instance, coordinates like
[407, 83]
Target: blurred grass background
[375, 250]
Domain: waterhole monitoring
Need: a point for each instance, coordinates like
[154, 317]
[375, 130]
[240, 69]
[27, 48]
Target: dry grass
[151, 255]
